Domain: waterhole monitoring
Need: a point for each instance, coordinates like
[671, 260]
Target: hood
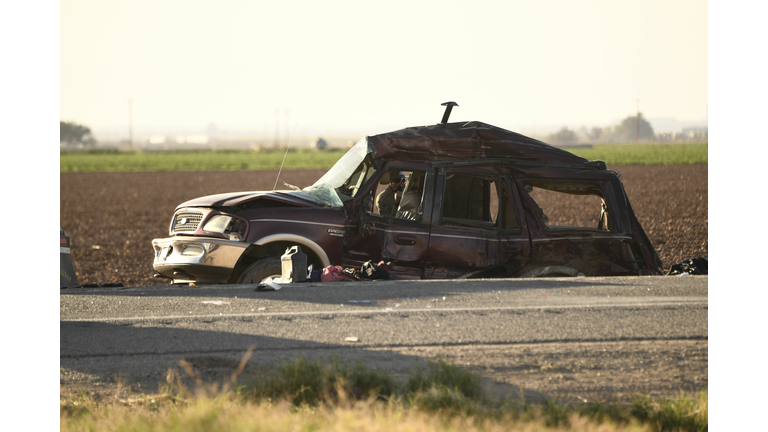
[237, 198]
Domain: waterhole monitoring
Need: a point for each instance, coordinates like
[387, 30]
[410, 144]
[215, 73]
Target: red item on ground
[334, 273]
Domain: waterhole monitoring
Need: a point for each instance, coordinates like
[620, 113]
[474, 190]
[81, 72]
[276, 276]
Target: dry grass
[443, 398]
[214, 414]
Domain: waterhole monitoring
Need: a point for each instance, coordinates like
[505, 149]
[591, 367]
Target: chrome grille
[187, 221]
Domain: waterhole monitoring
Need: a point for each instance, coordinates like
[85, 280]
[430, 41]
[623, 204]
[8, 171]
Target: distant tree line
[632, 128]
[73, 134]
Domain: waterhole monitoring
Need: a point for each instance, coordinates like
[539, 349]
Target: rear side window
[569, 205]
[470, 198]
[478, 201]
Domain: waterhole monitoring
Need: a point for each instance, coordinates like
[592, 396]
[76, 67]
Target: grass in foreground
[301, 159]
[335, 395]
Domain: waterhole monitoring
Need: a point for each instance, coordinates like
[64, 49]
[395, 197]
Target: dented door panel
[456, 247]
[590, 255]
[404, 246]
[455, 251]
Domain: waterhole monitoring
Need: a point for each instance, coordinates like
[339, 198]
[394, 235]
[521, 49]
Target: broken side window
[470, 200]
[403, 200]
[411, 206]
[568, 205]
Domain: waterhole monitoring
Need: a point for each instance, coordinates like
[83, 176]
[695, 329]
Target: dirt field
[111, 218]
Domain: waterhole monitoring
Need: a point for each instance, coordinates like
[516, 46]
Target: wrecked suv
[477, 201]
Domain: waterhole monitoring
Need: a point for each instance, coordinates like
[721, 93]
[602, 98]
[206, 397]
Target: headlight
[217, 224]
[227, 225]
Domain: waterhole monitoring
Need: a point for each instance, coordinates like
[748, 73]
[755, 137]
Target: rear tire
[260, 270]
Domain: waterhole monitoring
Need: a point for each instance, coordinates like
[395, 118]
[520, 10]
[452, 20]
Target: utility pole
[277, 126]
[637, 121]
[287, 137]
[130, 124]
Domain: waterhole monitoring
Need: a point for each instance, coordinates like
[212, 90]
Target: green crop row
[300, 159]
[645, 154]
[216, 160]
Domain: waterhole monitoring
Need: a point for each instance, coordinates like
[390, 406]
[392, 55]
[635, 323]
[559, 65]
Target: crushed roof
[466, 140]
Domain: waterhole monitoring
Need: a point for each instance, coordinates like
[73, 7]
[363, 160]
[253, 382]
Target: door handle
[404, 239]
[512, 247]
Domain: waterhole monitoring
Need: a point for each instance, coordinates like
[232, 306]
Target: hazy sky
[363, 68]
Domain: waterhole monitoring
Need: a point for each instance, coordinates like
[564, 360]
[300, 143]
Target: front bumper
[200, 260]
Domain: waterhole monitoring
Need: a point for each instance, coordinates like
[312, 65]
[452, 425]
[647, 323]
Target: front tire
[260, 270]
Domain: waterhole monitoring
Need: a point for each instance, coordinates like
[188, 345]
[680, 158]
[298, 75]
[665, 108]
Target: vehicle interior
[570, 205]
[409, 194]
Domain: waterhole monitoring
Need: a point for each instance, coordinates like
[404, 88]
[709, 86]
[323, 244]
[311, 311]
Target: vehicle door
[401, 236]
[476, 226]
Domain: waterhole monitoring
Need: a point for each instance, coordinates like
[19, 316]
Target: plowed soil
[111, 218]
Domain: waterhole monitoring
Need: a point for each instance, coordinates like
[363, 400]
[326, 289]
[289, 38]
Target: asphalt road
[131, 336]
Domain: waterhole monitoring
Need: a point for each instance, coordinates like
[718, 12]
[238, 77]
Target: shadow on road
[139, 356]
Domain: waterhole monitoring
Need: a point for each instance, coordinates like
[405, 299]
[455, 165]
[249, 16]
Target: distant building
[192, 139]
[157, 139]
[696, 133]
[318, 144]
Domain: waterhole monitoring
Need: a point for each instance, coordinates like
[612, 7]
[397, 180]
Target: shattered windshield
[342, 181]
